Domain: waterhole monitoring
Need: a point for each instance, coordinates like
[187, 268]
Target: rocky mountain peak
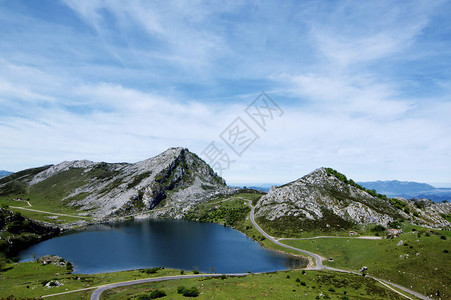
[174, 176]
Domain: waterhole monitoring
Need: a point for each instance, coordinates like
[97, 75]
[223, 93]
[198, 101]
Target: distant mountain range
[408, 189]
[4, 173]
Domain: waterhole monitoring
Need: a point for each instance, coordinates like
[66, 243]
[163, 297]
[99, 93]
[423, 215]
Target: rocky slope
[174, 177]
[326, 199]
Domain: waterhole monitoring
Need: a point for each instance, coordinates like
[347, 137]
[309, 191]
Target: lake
[177, 244]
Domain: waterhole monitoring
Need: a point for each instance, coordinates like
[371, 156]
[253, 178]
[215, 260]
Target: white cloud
[152, 75]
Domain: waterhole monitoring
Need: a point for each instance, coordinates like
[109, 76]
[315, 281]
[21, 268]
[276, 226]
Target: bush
[223, 276]
[443, 237]
[152, 271]
[298, 280]
[181, 289]
[191, 292]
[196, 272]
[378, 228]
[2, 264]
[44, 282]
[143, 297]
[157, 294]
[182, 272]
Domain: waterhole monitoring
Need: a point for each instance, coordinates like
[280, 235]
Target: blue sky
[364, 86]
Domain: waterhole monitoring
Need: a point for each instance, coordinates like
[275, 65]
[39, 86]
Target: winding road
[319, 265]
[96, 294]
[319, 260]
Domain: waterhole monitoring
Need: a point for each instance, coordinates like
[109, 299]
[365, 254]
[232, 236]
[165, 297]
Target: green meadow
[421, 262]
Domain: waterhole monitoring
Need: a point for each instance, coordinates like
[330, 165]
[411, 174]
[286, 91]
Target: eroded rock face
[175, 176]
[309, 197]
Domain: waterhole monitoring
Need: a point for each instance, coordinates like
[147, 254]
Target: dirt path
[50, 213]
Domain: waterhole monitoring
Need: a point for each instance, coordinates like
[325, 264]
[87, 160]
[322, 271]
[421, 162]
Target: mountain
[176, 178]
[408, 189]
[326, 200]
[4, 173]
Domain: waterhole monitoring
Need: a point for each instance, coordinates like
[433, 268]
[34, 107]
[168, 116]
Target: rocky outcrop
[321, 197]
[427, 213]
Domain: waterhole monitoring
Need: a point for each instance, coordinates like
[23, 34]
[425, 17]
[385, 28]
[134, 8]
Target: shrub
[152, 271]
[2, 263]
[182, 272]
[443, 237]
[332, 290]
[196, 272]
[303, 283]
[288, 276]
[157, 294]
[223, 276]
[445, 251]
[191, 292]
[44, 282]
[143, 297]
[378, 228]
[181, 289]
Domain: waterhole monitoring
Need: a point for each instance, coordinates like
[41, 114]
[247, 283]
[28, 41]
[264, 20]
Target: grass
[280, 285]
[427, 272]
[49, 218]
[230, 212]
[48, 194]
[20, 280]
[25, 279]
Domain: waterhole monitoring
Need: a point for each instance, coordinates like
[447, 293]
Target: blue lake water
[169, 243]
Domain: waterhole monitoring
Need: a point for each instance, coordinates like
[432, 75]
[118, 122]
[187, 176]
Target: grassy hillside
[228, 210]
[280, 285]
[29, 280]
[421, 262]
[48, 195]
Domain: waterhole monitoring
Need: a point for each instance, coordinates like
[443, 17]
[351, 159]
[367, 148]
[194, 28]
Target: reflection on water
[169, 243]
